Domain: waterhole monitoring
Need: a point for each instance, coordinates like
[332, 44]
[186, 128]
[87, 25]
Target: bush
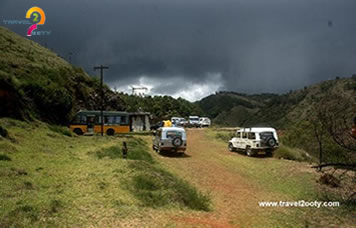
[60, 130]
[301, 136]
[291, 154]
[3, 132]
[4, 157]
[224, 136]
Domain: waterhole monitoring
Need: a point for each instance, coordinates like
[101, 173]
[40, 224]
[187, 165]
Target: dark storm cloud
[255, 45]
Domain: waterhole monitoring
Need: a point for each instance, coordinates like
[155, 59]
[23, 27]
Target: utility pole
[102, 68]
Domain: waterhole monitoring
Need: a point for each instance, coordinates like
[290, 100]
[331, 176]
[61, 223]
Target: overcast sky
[192, 48]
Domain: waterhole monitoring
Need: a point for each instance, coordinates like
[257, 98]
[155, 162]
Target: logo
[36, 12]
[35, 17]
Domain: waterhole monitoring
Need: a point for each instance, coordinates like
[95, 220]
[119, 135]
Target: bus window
[110, 119]
[83, 119]
[76, 119]
[117, 119]
[123, 120]
[97, 119]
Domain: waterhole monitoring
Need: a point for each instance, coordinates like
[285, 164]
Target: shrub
[60, 130]
[3, 132]
[224, 136]
[291, 154]
[4, 157]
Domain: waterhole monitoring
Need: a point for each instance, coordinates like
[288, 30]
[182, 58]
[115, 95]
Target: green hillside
[235, 109]
[35, 83]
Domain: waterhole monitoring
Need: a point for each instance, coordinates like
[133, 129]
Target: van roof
[257, 129]
[172, 129]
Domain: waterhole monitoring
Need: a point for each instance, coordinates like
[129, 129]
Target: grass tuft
[55, 206]
[224, 136]
[60, 130]
[155, 187]
[23, 212]
[137, 150]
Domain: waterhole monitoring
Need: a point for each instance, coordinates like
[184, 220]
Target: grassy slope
[42, 83]
[57, 180]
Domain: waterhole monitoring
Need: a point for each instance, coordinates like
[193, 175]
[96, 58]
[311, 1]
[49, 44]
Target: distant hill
[236, 109]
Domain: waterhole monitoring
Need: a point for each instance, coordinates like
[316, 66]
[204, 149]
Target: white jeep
[256, 140]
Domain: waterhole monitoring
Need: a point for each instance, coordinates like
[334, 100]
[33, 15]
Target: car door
[243, 140]
[236, 140]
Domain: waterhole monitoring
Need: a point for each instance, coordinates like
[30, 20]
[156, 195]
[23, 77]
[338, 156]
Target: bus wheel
[78, 131]
[110, 131]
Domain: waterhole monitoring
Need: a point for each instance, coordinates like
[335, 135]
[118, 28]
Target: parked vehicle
[193, 121]
[90, 122]
[254, 141]
[183, 122]
[204, 122]
[173, 139]
[178, 121]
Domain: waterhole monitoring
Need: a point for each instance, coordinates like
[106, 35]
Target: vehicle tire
[78, 131]
[177, 142]
[271, 142]
[249, 152]
[110, 132]
[269, 153]
[231, 147]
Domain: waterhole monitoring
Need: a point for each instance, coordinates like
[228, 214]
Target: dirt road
[237, 183]
[235, 197]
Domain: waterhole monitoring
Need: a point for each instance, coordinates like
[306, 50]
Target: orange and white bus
[90, 122]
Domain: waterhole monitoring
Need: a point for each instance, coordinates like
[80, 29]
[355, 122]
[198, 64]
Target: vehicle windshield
[172, 134]
[194, 119]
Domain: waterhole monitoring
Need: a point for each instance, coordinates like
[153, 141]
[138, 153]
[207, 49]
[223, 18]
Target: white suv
[193, 121]
[255, 140]
[204, 122]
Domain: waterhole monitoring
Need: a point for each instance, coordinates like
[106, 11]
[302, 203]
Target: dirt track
[234, 197]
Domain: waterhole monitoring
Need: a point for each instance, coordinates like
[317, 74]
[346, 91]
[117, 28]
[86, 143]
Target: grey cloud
[256, 45]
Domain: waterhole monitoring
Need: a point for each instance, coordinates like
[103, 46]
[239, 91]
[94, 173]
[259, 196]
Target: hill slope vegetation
[236, 109]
